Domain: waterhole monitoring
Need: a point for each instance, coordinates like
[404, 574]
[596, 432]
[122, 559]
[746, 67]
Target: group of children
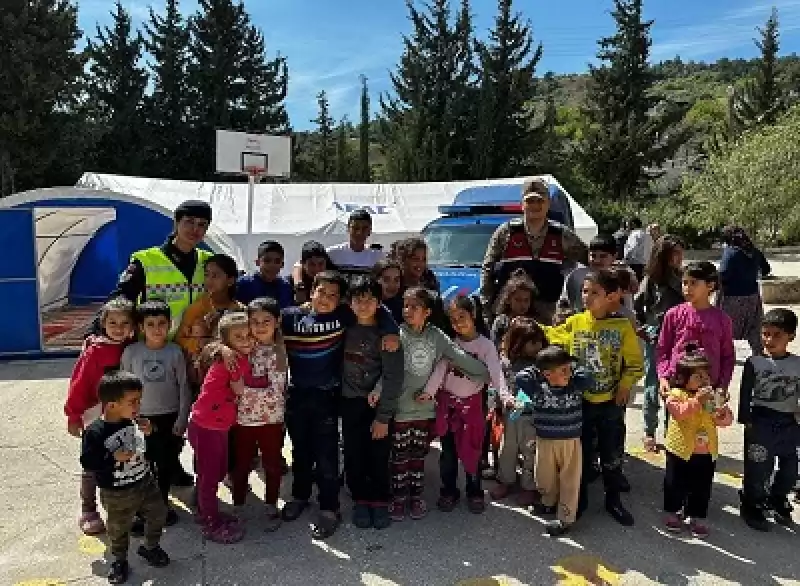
[398, 376]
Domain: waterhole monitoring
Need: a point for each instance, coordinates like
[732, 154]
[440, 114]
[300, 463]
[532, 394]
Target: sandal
[325, 526]
[650, 444]
[91, 523]
[223, 533]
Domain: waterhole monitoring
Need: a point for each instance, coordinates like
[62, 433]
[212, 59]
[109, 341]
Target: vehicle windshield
[463, 245]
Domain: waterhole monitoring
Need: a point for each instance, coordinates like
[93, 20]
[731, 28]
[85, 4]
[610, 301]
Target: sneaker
[362, 516]
[154, 556]
[172, 517]
[293, 509]
[782, 511]
[137, 527]
[698, 529]
[476, 504]
[447, 503]
[381, 518]
[753, 515]
[673, 523]
[526, 498]
[397, 510]
[617, 510]
[418, 508]
[326, 525]
[556, 528]
[273, 518]
[542, 510]
[118, 573]
[500, 491]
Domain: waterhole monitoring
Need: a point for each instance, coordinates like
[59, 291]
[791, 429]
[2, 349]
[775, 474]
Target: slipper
[91, 523]
[223, 533]
[325, 526]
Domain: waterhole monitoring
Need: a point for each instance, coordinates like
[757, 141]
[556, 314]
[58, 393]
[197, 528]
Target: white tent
[295, 212]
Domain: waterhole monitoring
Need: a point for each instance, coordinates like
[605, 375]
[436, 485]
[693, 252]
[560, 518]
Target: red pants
[268, 439]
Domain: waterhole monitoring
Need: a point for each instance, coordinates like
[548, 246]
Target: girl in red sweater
[100, 354]
[213, 415]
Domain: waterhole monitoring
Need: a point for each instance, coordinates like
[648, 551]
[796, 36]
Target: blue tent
[68, 246]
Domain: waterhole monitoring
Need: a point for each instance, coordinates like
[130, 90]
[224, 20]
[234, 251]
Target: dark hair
[472, 304]
[737, 237]
[360, 215]
[521, 330]
[658, 268]
[331, 277]
[552, 357]
[313, 249]
[402, 249]
[423, 295]
[267, 304]
[692, 360]
[603, 243]
[385, 264]
[624, 277]
[115, 384]
[519, 281]
[606, 278]
[365, 285]
[228, 266]
[270, 246]
[117, 305]
[635, 223]
[152, 308]
[783, 319]
[703, 271]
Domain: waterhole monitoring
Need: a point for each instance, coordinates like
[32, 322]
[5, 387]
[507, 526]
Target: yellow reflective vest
[164, 282]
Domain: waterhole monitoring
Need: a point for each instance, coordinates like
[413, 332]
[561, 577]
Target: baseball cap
[535, 188]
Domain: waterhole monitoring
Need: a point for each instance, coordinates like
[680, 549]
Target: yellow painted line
[498, 581]
[585, 570]
[41, 582]
[91, 545]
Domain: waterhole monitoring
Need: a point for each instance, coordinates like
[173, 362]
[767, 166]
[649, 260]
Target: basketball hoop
[254, 171]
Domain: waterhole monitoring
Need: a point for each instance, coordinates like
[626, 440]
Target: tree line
[461, 105]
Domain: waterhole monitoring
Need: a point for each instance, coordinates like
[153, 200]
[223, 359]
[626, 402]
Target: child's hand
[391, 342]
[228, 357]
[379, 430]
[178, 430]
[237, 386]
[373, 398]
[622, 396]
[512, 404]
[123, 455]
[75, 429]
[423, 398]
[144, 425]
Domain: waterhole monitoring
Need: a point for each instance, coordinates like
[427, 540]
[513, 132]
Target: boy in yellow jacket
[605, 343]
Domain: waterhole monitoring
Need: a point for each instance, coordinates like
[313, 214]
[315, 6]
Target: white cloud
[732, 29]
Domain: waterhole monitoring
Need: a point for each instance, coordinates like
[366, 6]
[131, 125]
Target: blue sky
[328, 44]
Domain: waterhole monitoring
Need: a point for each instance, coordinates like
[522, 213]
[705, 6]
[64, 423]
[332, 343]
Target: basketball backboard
[239, 152]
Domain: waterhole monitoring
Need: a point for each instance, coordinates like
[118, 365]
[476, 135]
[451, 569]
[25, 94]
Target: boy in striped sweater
[314, 338]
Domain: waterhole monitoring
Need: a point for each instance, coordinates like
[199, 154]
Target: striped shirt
[557, 412]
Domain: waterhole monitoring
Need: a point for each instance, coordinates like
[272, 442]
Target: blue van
[457, 241]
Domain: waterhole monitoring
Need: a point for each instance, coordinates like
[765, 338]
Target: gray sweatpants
[519, 438]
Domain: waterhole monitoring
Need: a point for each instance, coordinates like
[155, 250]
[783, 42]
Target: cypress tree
[324, 148]
[116, 95]
[364, 171]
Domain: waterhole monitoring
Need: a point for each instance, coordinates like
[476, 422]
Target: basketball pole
[251, 193]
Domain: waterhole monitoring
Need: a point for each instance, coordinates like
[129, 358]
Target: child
[460, 419]
[412, 254]
[556, 393]
[372, 380]
[697, 322]
[313, 260]
[521, 344]
[769, 408]
[515, 300]
[606, 345]
[213, 415]
[100, 354]
[314, 342]
[113, 449]
[260, 410]
[389, 273]
[266, 281]
[423, 346]
[660, 291]
[166, 397]
[691, 442]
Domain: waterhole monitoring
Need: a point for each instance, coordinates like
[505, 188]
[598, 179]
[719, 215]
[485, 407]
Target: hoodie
[99, 356]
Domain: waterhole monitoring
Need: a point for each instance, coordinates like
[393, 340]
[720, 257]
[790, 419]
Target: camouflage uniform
[575, 251]
[122, 504]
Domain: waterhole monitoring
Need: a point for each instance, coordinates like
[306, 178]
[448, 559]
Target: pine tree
[429, 117]
[167, 43]
[116, 95]
[41, 133]
[265, 88]
[506, 133]
[629, 132]
[365, 172]
[325, 148]
[347, 165]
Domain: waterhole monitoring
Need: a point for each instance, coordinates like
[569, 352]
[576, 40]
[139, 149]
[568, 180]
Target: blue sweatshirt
[249, 287]
[739, 271]
[315, 344]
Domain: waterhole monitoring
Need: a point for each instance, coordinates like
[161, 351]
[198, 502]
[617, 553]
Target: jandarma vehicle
[457, 241]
